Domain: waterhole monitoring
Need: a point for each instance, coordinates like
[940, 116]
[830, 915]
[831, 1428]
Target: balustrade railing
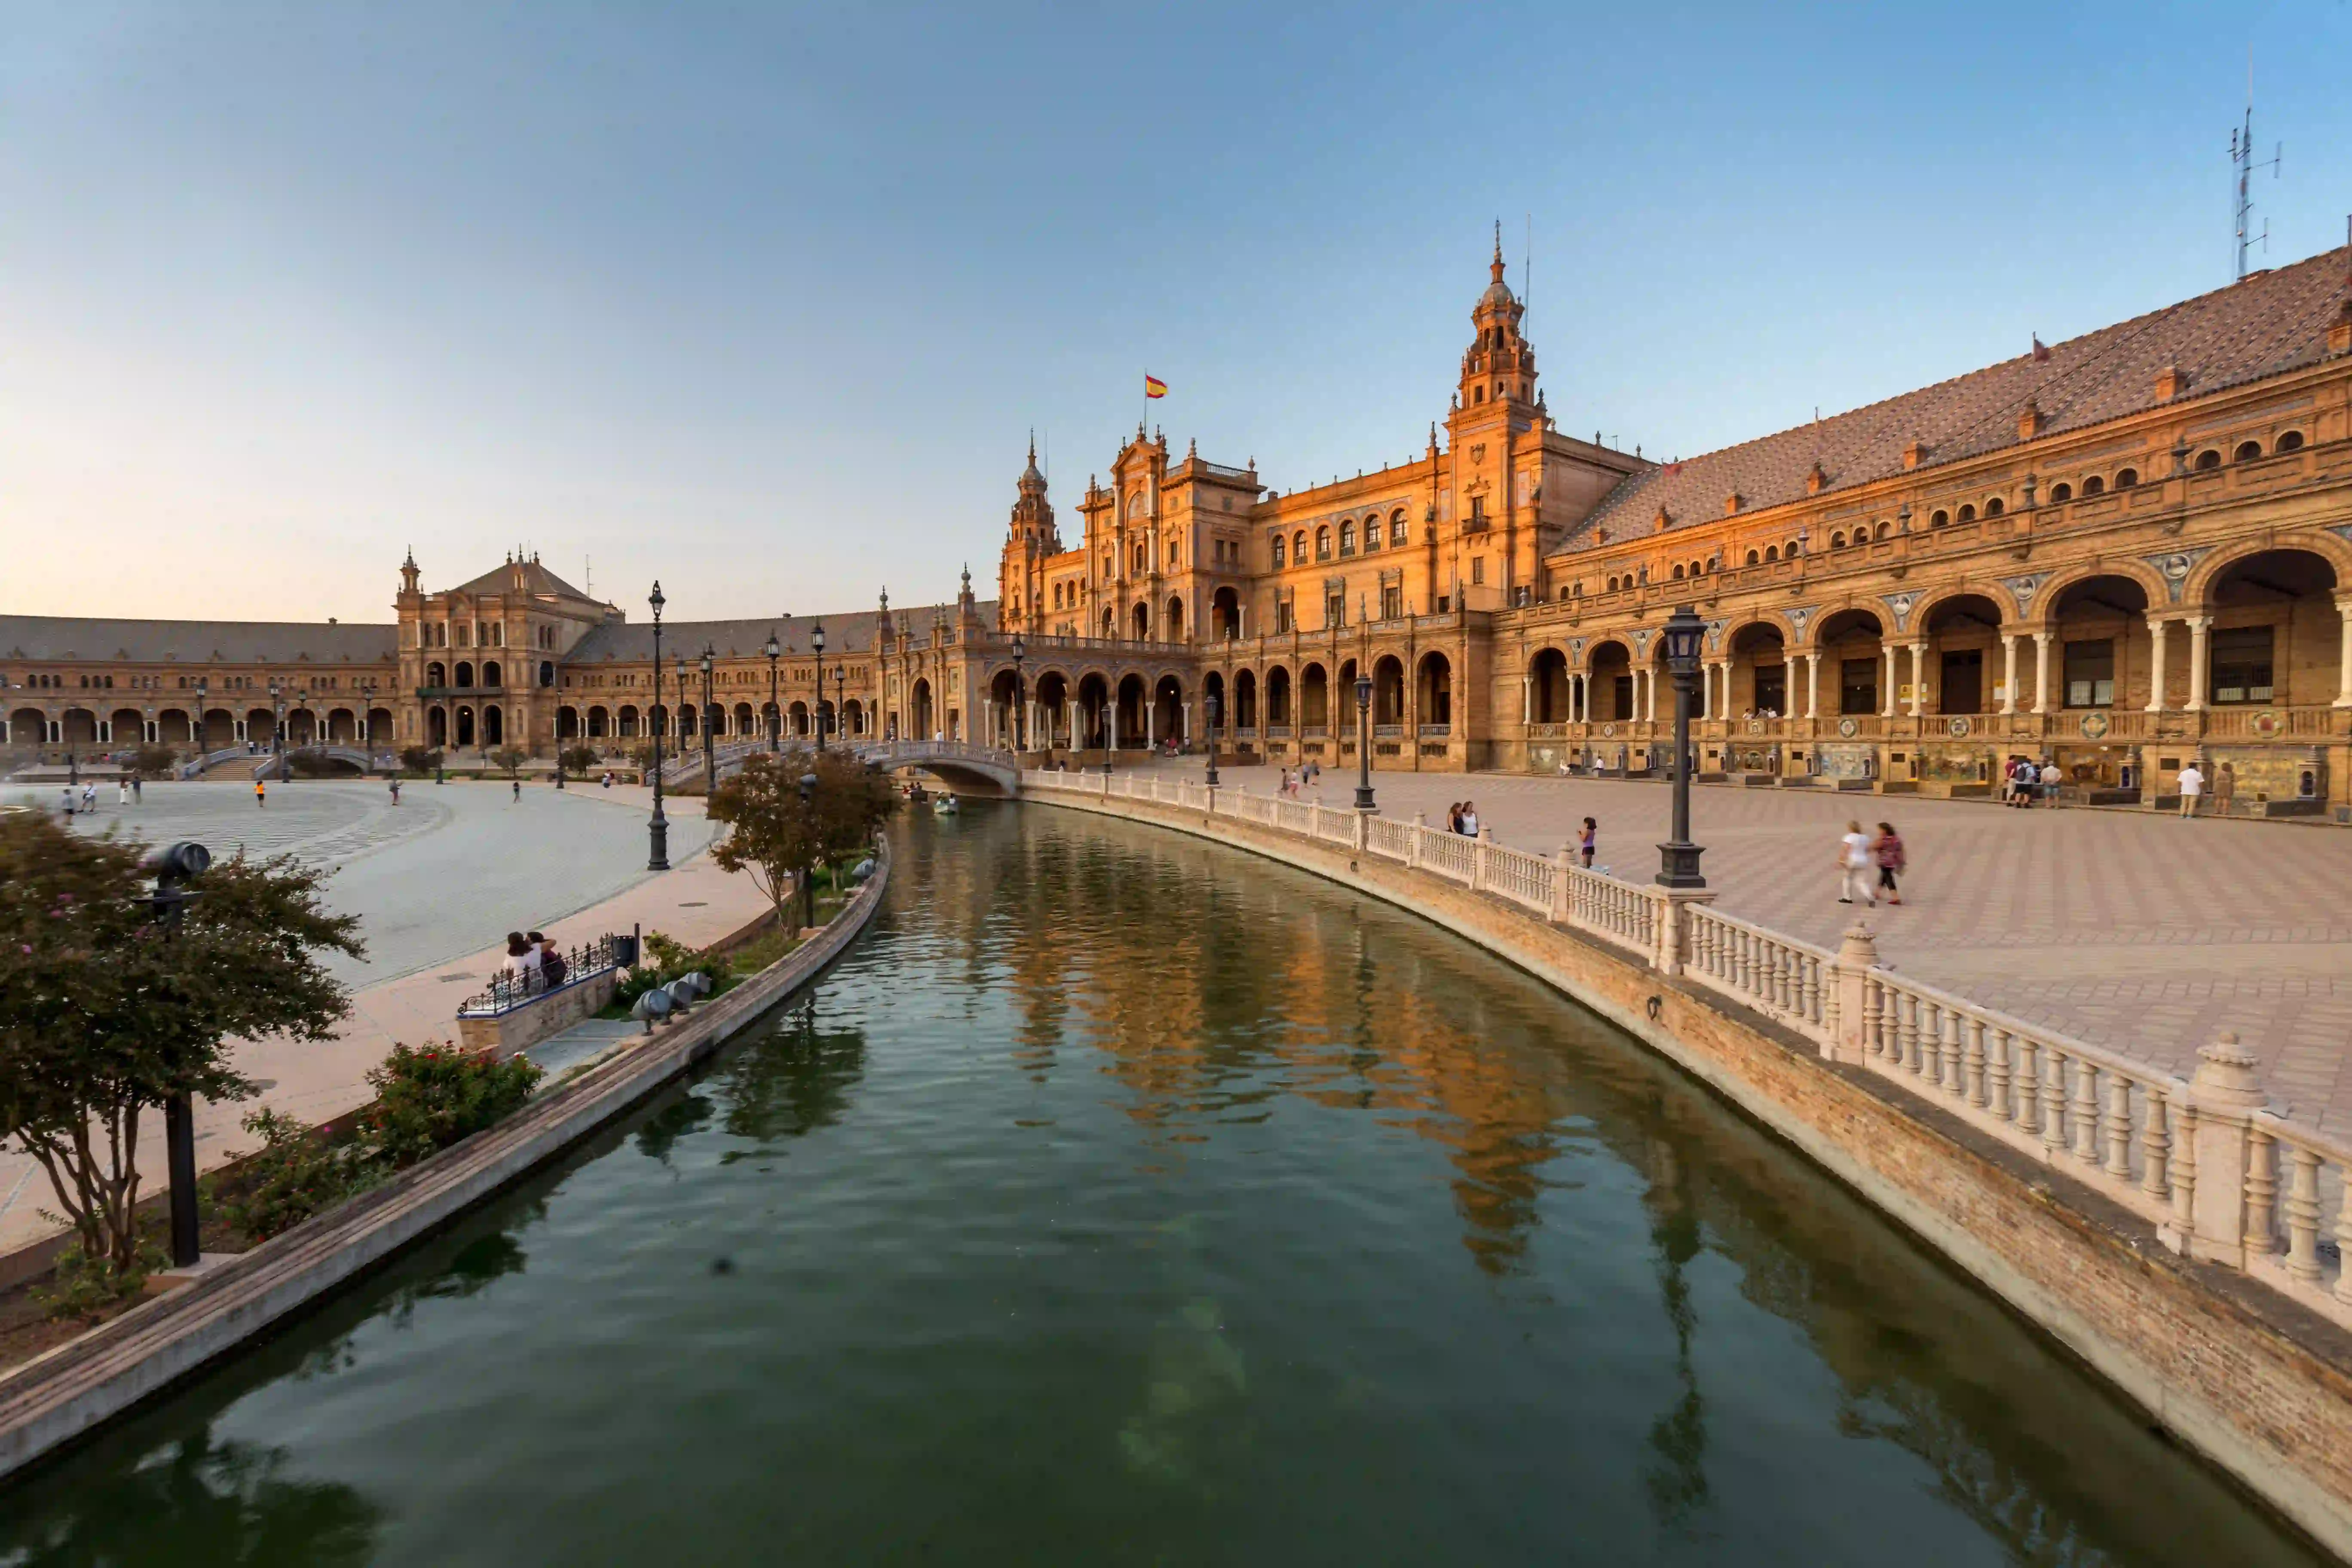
[510, 989]
[2204, 1160]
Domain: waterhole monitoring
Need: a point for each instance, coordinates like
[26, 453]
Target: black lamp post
[203, 698]
[1678, 857]
[840, 699]
[1109, 713]
[816, 641]
[657, 830]
[1209, 705]
[1020, 697]
[173, 867]
[774, 651]
[277, 721]
[710, 740]
[808, 872]
[1364, 745]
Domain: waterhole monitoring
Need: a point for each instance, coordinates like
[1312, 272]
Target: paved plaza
[438, 881]
[2132, 930]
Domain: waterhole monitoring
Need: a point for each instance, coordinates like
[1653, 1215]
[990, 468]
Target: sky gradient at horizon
[765, 303]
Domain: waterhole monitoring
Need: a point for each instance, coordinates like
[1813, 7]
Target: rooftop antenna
[2241, 159]
[589, 567]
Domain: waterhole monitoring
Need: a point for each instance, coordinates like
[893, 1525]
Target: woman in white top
[523, 960]
[1469, 820]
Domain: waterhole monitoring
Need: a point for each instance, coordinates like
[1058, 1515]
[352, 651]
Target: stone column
[1848, 980]
[1526, 699]
[2009, 673]
[2042, 641]
[1814, 683]
[1151, 723]
[2226, 1095]
[1886, 707]
[2156, 629]
[1918, 677]
[2199, 665]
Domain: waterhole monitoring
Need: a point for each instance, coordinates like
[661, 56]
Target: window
[1393, 601]
[1678, 572]
[2208, 459]
[1755, 558]
[1335, 609]
[1858, 686]
[2292, 441]
[2241, 665]
[1477, 569]
[1348, 538]
[2249, 450]
[1772, 553]
[1298, 547]
[2090, 674]
[1968, 512]
[1371, 534]
[1994, 507]
[2124, 479]
[1477, 511]
[1282, 621]
[1276, 541]
[1396, 531]
[1322, 544]
[1837, 540]
[1936, 518]
[1772, 688]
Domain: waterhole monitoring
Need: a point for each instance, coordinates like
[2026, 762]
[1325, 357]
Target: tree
[772, 833]
[153, 761]
[419, 759]
[852, 801]
[576, 759]
[107, 1013]
[510, 758]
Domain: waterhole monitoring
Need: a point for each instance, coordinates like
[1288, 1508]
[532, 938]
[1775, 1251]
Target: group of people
[1292, 782]
[1858, 852]
[126, 791]
[1462, 818]
[533, 959]
[2025, 781]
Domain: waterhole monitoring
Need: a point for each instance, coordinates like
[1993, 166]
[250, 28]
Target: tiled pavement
[2135, 930]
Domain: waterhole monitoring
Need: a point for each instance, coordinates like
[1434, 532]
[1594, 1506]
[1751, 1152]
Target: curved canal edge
[64, 1395]
[2260, 1387]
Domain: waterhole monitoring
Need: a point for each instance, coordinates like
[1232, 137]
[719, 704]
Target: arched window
[1755, 558]
[1348, 538]
[1772, 553]
[2249, 450]
[1936, 518]
[1696, 568]
[2063, 491]
[2208, 459]
[1881, 533]
[2126, 478]
[1371, 534]
[1298, 548]
[2289, 441]
[1678, 572]
[1993, 507]
[1968, 512]
[1837, 540]
[1610, 586]
[1323, 545]
[1277, 552]
[1396, 528]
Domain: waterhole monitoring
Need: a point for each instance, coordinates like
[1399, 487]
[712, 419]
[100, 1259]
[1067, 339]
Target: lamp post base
[1678, 866]
[658, 832]
[1364, 798]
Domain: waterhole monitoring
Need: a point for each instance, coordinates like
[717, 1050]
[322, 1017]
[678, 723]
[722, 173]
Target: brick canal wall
[2258, 1385]
[58, 1397]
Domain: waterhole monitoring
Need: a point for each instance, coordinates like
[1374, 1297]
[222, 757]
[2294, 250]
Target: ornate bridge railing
[2205, 1160]
[507, 990]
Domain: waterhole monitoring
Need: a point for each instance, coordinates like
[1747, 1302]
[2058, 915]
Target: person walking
[394, 785]
[69, 803]
[123, 792]
[1587, 842]
[1453, 813]
[1886, 850]
[2225, 789]
[1469, 819]
[1854, 862]
[260, 791]
[90, 797]
[135, 796]
[518, 789]
[2192, 787]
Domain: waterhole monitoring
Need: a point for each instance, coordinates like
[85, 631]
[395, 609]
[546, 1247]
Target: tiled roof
[535, 579]
[75, 638]
[2269, 324]
[852, 633]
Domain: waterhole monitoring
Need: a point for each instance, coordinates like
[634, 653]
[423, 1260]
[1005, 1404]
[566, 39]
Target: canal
[1120, 1198]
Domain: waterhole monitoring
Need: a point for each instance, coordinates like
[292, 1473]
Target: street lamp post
[173, 867]
[1364, 745]
[1020, 697]
[808, 872]
[840, 699]
[1678, 857]
[204, 699]
[774, 651]
[1211, 704]
[709, 741]
[816, 641]
[658, 829]
[277, 721]
[1107, 738]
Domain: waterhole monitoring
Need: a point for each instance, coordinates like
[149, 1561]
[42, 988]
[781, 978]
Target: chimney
[1914, 455]
[2339, 330]
[1731, 503]
[1816, 482]
[2168, 383]
[2029, 420]
[1664, 521]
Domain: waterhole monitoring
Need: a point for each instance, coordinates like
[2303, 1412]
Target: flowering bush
[295, 1175]
[434, 1096]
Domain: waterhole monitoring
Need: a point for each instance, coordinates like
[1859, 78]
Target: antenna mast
[2242, 160]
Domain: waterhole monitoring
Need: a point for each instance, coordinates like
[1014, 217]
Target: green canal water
[1123, 1199]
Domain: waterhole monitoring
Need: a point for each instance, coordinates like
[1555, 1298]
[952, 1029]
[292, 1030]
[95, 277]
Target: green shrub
[295, 1175]
[81, 1289]
[432, 1097]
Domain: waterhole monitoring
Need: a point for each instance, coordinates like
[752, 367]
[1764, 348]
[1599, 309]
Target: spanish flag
[1154, 387]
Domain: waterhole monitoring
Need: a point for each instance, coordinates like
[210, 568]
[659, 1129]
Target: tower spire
[1499, 250]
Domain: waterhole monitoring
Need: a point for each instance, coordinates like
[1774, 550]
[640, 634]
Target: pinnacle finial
[1033, 444]
[1498, 268]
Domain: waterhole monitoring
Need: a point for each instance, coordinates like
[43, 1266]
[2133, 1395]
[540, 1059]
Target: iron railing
[509, 990]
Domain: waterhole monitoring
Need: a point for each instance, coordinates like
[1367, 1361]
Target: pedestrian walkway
[2132, 930]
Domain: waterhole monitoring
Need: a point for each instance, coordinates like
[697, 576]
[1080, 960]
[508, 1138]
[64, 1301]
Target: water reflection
[792, 1080]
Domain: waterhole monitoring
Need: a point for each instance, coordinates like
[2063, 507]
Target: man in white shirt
[2192, 786]
[1853, 864]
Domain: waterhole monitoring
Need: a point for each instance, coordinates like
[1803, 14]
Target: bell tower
[1030, 538]
[1498, 368]
[1493, 456]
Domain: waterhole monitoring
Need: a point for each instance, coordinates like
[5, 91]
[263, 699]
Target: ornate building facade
[2120, 552]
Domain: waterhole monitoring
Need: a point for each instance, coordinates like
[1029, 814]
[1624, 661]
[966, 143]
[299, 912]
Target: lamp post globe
[657, 827]
[1364, 801]
[1678, 857]
[776, 716]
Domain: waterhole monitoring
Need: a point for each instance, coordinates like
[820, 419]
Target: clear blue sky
[765, 302]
